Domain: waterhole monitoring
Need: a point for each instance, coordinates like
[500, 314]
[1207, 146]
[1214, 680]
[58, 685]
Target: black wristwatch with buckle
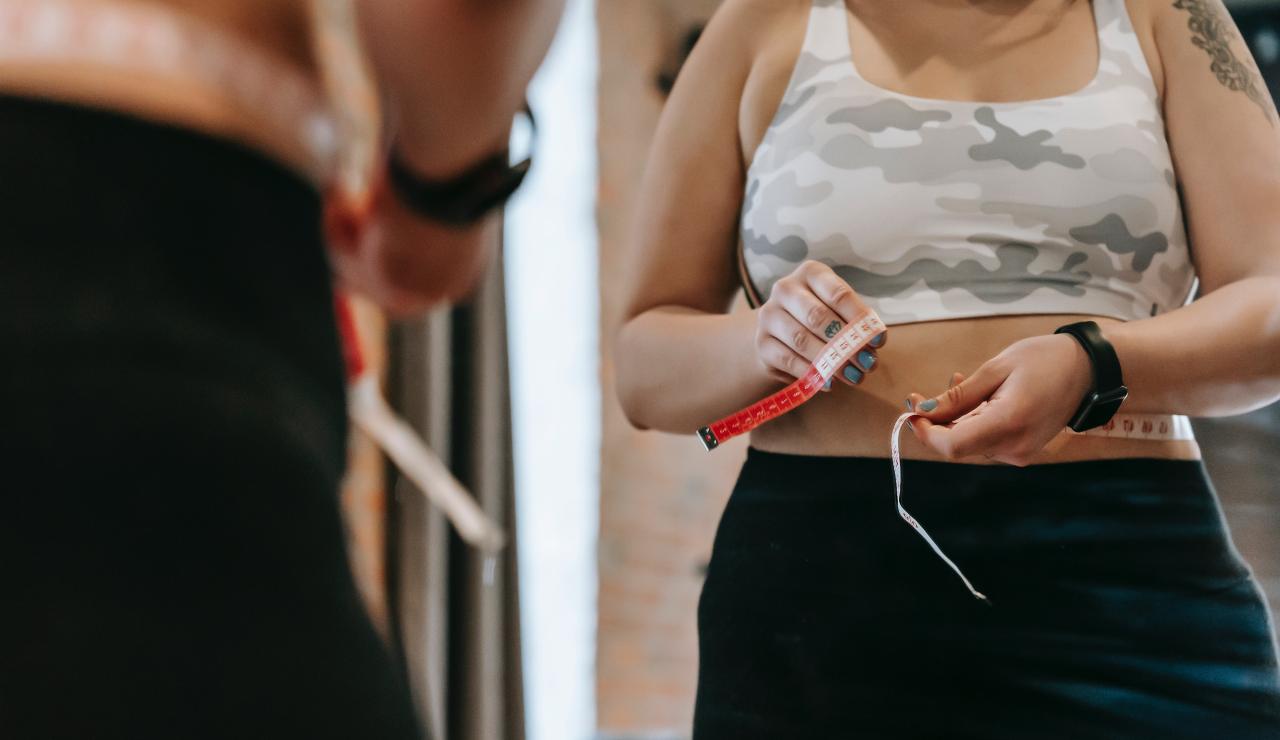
[467, 198]
[1108, 392]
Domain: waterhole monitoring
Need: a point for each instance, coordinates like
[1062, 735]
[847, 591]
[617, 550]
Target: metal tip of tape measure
[708, 438]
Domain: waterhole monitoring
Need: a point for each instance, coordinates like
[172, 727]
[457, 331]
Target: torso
[273, 24]
[975, 53]
[279, 28]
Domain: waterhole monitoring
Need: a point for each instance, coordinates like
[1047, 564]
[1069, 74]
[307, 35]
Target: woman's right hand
[805, 310]
[404, 263]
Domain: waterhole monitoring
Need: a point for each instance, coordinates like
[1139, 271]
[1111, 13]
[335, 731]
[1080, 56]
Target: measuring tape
[910, 520]
[858, 335]
[1129, 426]
[371, 413]
[838, 351]
[353, 99]
[1143, 426]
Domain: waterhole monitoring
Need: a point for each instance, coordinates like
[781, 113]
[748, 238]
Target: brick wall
[661, 495]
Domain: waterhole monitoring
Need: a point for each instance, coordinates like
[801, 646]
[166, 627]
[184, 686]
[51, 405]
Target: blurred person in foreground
[175, 206]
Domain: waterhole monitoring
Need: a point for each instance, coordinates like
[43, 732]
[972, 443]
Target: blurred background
[587, 629]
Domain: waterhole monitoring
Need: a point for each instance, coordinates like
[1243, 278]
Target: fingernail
[866, 360]
[877, 340]
[827, 385]
[929, 405]
[852, 374]
[909, 406]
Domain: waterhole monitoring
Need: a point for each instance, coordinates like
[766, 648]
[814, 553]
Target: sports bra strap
[828, 35]
[1120, 54]
[1107, 12]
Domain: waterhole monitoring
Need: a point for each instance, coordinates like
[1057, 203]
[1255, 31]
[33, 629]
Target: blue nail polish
[852, 374]
[877, 340]
[827, 385]
[929, 405]
[866, 360]
[909, 406]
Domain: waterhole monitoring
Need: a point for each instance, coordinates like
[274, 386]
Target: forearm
[454, 72]
[678, 369]
[1216, 357]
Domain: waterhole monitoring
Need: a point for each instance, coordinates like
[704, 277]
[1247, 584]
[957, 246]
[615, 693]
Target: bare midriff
[178, 96]
[920, 358]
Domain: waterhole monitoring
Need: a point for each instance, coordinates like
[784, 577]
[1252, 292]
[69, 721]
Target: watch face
[1103, 410]
[1114, 396]
[1098, 408]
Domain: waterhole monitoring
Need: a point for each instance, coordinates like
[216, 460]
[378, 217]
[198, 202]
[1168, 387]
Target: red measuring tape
[838, 351]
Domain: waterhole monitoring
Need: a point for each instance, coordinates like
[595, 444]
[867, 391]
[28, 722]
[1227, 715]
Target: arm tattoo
[1212, 30]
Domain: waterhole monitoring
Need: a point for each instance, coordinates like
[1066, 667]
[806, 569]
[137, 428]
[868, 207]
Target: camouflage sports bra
[935, 209]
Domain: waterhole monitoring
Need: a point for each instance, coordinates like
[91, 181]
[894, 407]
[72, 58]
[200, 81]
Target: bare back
[280, 29]
[274, 24]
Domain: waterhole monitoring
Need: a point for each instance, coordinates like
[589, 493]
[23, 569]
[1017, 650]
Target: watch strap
[467, 198]
[1102, 356]
[1108, 391]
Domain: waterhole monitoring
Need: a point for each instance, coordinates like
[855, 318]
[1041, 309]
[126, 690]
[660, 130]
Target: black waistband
[130, 244]
[1129, 465]
[1131, 490]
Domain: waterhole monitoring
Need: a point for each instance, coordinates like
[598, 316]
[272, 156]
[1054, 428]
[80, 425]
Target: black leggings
[1120, 608]
[172, 560]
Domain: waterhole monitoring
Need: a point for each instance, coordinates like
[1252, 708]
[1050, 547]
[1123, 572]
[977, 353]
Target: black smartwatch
[1108, 392]
[467, 198]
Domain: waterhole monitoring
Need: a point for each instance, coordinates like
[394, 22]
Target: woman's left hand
[1011, 407]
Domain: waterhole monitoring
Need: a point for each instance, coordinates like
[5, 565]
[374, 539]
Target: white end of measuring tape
[906, 517]
[1144, 426]
[1129, 426]
[406, 449]
[352, 92]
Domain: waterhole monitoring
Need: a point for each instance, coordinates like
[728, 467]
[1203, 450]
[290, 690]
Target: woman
[839, 143]
[174, 427]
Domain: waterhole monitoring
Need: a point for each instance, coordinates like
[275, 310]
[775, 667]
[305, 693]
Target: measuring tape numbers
[840, 350]
[835, 354]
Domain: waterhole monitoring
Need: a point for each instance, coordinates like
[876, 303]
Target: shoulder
[1187, 30]
[1150, 19]
[768, 36]
[1177, 21]
[737, 38]
[761, 11]
[754, 25]
[1151, 12]
[1177, 12]
[1170, 29]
